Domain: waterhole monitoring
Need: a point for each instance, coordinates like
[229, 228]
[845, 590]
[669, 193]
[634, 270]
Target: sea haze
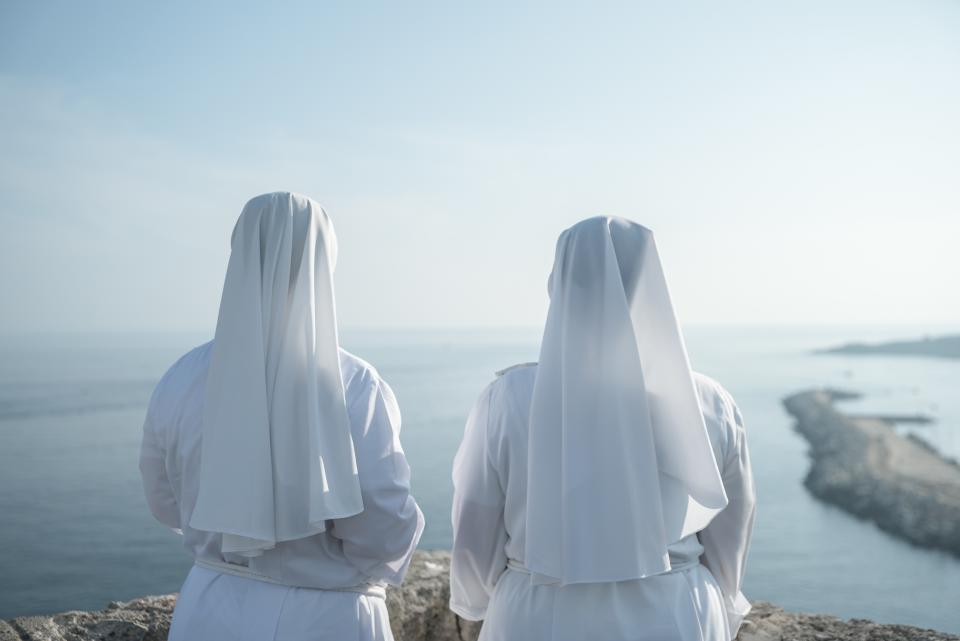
[75, 532]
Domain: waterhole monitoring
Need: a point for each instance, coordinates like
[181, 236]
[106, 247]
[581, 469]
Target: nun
[604, 493]
[276, 453]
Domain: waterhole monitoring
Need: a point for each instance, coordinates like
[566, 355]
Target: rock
[144, 619]
[7, 633]
[862, 465]
[770, 623]
[418, 612]
[418, 609]
[38, 629]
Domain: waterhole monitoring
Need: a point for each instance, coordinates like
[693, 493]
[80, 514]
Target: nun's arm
[153, 472]
[479, 534]
[726, 540]
[380, 541]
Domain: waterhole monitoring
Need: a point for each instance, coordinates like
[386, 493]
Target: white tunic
[301, 595]
[699, 599]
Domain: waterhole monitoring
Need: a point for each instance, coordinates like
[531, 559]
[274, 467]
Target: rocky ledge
[862, 465]
[419, 612]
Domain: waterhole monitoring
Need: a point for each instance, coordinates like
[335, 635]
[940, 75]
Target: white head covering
[277, 455]
[620, 463]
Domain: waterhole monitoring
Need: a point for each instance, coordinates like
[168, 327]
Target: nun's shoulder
[706, 383]
[358, 375]
[715, 400]
[516, 378]
[181, 377]
[514, 384]
[186, 369]
[519, 367]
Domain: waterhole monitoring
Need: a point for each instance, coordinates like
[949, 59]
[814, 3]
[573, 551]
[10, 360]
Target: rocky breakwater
[862, 465]
[418, 611]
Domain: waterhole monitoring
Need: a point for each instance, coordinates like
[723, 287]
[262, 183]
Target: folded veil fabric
[620, 463]
[277, 457]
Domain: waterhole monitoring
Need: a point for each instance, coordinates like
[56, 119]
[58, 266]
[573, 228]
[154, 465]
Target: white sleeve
[726, 540]
[153, 472]
[380, 541]
[479, 535]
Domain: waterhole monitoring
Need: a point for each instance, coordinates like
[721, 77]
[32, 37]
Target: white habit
[308, 512]
[605, 493]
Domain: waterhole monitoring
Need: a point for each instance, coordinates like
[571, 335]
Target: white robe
[699, 600]
[301, 598]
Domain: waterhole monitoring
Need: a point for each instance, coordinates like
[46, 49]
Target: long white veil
[277, 454]
[620, 463]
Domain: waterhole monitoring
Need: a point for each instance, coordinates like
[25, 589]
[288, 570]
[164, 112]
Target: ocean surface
[75, 532]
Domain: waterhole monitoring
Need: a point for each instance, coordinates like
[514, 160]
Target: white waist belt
[366, 589]
[520, 567]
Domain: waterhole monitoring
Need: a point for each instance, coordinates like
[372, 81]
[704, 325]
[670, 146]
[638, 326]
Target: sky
[797, 161]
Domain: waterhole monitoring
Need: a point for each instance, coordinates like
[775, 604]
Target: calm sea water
[75, 533]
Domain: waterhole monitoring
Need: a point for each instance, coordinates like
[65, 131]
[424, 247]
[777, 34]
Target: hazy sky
[798, 161]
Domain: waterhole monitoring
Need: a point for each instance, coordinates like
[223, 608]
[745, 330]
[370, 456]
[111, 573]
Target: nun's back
[327, 586]
[699, 599]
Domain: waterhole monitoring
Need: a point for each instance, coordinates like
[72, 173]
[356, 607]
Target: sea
[75, 532]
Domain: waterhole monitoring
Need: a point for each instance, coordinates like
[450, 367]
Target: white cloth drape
[277, 458]
[620, 463]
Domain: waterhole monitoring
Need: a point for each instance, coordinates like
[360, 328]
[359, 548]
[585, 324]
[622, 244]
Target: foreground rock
[419, 612]
[769, 623]
[862, 465]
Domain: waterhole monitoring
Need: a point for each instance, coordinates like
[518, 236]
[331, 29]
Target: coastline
[862, 465]
[929, 347]
[418, 612]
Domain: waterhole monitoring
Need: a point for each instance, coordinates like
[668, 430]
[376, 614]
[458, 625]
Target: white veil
[620, 463]
[277, 455]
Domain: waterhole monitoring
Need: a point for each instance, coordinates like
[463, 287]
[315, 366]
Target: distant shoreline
[862, 465]
[933, 347]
